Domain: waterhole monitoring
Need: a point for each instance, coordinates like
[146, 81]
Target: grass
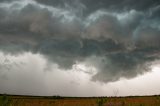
[101, 101]
[5, 100]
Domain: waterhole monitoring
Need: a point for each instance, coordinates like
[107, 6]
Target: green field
[13, 100]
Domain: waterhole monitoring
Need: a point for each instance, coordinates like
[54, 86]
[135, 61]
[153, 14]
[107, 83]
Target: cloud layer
[118, 39]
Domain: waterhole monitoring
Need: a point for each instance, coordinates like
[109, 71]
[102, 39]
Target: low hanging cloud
[118, 39]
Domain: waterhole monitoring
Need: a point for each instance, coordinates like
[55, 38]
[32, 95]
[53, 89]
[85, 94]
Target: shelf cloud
[120, 38]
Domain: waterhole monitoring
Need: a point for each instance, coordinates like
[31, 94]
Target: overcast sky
[80, 47]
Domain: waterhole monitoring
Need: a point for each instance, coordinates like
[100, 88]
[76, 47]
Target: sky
[80, 47]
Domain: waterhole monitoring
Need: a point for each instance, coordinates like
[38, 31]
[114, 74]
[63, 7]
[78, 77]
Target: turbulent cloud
[118, 39]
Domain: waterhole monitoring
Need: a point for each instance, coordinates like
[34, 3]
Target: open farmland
[11, 100]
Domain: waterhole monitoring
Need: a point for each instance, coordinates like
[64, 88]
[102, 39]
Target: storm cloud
[118, 39]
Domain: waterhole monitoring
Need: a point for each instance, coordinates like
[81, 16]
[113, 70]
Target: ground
[13, 100]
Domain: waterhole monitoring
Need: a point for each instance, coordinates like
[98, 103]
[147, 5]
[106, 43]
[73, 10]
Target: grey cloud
[123, 43]
[73, 5]
[106, 26]
[115, 5]
[115, 66]
[148, 37]
[67, 52]
[7, 0]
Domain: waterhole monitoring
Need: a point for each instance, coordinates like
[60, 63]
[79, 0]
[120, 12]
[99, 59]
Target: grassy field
[11, 100]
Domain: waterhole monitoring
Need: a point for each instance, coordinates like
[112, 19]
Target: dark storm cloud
[123, 65]
[115, 5]
[119, 38]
